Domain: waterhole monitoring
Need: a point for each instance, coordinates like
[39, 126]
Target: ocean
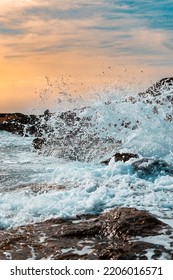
[67, 178]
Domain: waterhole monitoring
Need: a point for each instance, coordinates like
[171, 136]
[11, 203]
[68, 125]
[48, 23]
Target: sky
[74, 46]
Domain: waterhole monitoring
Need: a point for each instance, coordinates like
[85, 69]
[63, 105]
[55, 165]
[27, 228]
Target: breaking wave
[63, 175]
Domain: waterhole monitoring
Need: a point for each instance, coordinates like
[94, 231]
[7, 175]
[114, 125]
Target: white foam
[90, 187]
[162, 239]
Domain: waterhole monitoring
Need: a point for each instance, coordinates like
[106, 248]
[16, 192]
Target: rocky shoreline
[119, 234]
[37, 125]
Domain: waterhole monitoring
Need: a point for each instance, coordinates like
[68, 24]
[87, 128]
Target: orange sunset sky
[79, 45]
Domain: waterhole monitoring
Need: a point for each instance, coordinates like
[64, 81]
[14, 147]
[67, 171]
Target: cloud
[36, 27]
[53, 37]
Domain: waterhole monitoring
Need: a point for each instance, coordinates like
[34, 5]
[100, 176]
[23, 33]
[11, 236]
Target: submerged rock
[148, 167]
[120, 157]
[116, 234]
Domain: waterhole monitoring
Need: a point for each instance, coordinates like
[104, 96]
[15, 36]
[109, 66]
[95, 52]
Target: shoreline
[118, 234]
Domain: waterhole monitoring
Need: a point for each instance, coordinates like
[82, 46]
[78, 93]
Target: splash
[66, 177]
[115, 120]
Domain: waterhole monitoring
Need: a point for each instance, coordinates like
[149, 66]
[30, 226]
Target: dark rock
[160, 93]
[26, 125]
[116, 234]
[147, 167]
[120, 157]
[47, 115]
[165, 84]
[20, 124]
[125, 222]
[38, 143]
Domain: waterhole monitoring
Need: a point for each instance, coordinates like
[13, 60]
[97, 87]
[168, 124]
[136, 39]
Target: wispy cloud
[31, 27]
[49, 37]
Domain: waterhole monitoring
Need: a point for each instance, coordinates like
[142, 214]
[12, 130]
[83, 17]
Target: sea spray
[115, 121]
[65, 177]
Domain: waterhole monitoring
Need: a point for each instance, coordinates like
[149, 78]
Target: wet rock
[160, 93]
[20, 124]
[125, 222]
[38, 142]
[165, 84]
[148, 167]
[120, 157]
[47, 115]
[112, 235]
[35, 189]
[26, 125]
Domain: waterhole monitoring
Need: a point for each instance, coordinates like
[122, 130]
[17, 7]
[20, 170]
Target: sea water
[67, 178]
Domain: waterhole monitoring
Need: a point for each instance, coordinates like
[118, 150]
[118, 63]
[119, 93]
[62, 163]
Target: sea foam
[71, 159]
